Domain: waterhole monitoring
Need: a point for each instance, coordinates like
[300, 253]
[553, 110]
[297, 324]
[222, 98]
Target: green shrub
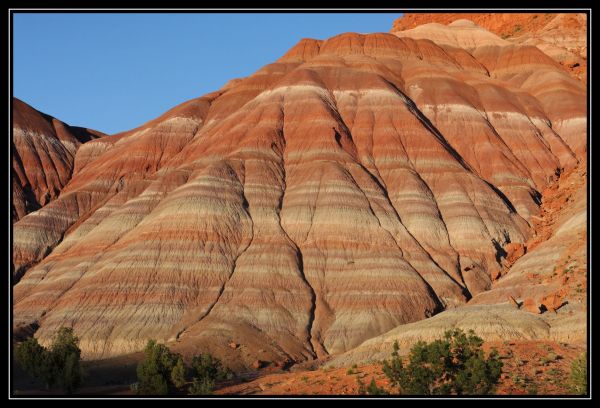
[31, 355]
[58, 366]
[154, 372]
[178, 373]
[371, 389]
[162, 372]
[202, 386]
[65, 356]
[578, 376]
[453, 365]
[207, 366]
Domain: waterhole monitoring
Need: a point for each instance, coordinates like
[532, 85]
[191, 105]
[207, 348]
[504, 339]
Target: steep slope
[552, 271]
[542, 295]
[562, 36]
[43, 152]
[357, 184]
[524, 67]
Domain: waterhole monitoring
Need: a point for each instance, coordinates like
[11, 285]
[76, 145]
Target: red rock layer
[560, 35]
[524, 67]
[354, 185]
[43, 151]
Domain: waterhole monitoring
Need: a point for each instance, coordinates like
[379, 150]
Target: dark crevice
[502, 196]
[313, 303]
[500, 252]
[299, 256]
[383, 190]
[245, 206]
[439, 304]
[412, 107]
[536, 196]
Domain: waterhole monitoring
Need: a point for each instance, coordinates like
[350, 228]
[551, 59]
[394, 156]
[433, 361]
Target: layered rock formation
[43, 154]
[528, 69]
[356, 184]
[562, 36]
[541, 296]
[552, 272]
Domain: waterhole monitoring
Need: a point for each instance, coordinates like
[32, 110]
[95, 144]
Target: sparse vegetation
[453, 365]
[58, 366]
[578, 376]
[532, 389]
[555, 376]
[206, 370]
[371, 389]
[553, 356]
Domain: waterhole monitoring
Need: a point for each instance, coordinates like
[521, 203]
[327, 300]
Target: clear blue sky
[113, 72]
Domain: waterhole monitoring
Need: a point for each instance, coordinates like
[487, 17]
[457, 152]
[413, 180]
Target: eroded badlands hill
[562, 36]
[541, 296]
[356, 184]
[43, 150]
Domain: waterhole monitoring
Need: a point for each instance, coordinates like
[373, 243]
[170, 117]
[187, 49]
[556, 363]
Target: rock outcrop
[43, 153]
[356, 184]
[553, 271]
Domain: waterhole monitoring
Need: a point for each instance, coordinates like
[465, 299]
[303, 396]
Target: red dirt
[529, 366]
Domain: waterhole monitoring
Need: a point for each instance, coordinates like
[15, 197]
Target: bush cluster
[57, 366]
[454, 365]
[163, 372]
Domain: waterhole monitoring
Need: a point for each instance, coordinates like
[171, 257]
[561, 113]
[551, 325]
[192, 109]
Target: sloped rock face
[553, 271]
[43, 151]
[527, 68]
[354, 185]
[542, 296]
[562, 36]
[490, 322]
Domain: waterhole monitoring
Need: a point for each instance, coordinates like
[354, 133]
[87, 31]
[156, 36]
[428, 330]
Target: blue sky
[113, 72]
